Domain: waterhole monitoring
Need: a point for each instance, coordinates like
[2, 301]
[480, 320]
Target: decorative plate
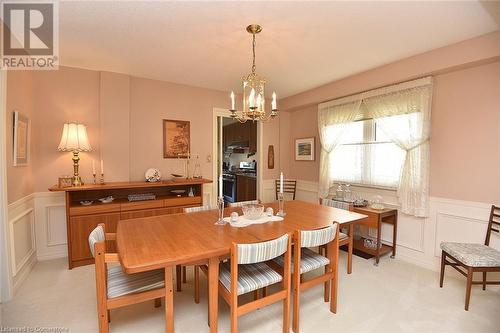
[107, 199]
[86, 203]
[153, 175]
[178, 191]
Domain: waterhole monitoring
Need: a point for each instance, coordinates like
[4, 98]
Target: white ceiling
[303, 44]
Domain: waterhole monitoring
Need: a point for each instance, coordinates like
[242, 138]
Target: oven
[229, 187]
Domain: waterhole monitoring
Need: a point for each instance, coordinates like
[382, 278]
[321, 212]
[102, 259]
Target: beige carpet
[394, 297]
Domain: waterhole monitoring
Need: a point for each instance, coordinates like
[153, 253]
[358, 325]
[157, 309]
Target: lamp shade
[74, 138]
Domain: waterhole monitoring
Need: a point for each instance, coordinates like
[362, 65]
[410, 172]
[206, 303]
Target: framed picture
[304, 149]
[176, 138]
[65, 181]
[21, 139]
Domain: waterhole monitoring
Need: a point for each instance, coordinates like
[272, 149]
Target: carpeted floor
[393, 297]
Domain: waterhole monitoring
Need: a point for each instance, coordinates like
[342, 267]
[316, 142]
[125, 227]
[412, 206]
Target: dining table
[162, 242]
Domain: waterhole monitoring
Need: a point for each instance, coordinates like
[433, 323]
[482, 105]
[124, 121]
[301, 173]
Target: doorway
[237, 154]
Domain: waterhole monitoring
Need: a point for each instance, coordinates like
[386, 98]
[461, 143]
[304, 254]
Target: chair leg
[234, 319]
[484, 280]
[286, 314]
[184, 279]
[196, 272]
[296, 304]
[333, 297]
[326, 291]
[443, 264]
[157, 302]
[468, 288]
[178, 277]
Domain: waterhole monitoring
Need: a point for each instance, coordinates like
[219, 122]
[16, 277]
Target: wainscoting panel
[21, 238]
[50, 212]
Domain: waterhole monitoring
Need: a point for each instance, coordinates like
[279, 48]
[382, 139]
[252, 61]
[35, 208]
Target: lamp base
[77, 181]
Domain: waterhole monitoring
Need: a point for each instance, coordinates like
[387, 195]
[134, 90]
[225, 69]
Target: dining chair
[115, 288]
[247, 266]
[468, 258]
[241, 203]
[344, 238]
[289, 186]
[306, 260]
[196, 265]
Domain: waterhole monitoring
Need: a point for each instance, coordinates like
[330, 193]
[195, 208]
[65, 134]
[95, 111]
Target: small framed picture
[21, 139]
[304, 149]
[65, 181]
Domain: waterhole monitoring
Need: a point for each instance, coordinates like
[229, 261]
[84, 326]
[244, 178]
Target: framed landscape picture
[176, 138]
[21, 139]
[304, 149]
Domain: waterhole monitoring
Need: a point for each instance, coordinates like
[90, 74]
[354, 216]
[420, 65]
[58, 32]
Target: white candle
[220, 186]
[232, 101]
[259, 100]
[93, 167]
[102, 168]
[251, 98]
[281, 182]
[273, 103]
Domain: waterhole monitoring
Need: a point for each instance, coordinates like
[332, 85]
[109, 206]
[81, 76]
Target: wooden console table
[375, 219]
[81, 220]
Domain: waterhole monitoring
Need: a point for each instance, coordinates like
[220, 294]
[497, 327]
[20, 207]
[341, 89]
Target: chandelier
[253, 92]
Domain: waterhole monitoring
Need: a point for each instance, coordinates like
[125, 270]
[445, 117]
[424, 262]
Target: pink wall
[20, 98]
[465, 149]
[123, 115]
[465, 137]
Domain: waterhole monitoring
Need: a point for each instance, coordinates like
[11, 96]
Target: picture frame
[21, 139]
[176, 138]
[305, 149]
[65, 181]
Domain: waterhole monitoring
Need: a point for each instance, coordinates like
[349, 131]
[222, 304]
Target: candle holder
[95, 179]
[102, 179]
[220, 208]
[281, 205]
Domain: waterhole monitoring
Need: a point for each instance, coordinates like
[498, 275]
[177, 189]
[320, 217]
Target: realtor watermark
[28, 329]
[30, 35]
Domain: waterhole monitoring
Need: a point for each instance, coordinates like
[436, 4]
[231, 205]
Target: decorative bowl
[252, 211]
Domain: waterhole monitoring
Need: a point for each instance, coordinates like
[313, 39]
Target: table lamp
[74, 138]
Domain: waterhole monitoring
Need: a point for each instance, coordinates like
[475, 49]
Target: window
[367, 156]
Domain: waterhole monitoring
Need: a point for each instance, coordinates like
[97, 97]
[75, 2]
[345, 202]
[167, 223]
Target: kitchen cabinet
[240, 133]
[246, 188]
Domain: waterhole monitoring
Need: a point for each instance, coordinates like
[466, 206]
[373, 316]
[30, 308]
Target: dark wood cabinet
[241, 133]
[246, 188]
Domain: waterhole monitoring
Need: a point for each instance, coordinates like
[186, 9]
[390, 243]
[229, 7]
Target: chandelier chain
[253, 51]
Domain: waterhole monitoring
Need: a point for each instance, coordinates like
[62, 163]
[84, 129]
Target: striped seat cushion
[121, 283]
[342, 236]
[263, 251]
[473, 255]
[309, 260]
[335, 204]
[250, 277]
[97, 235]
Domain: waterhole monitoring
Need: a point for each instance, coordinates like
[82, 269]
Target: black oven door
[229, 189]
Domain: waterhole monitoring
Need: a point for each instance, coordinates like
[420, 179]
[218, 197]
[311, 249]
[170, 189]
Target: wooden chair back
[493, 224]
[314, 238]
[289, 186]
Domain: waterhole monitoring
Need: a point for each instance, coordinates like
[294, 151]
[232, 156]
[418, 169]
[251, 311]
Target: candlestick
[95, 179]
[93, 167]
[102, 167]
[102, 178]
[220, 208]
[281, 205]
[274, 105]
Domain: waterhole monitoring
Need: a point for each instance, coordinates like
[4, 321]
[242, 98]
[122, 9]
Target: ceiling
[303, 44]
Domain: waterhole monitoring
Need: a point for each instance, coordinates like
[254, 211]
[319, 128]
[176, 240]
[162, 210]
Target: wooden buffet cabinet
[81, 220]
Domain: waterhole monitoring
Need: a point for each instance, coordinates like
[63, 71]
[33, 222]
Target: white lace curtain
[386, 105]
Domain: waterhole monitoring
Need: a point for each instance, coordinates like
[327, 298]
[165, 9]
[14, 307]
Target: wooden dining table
[162, 242]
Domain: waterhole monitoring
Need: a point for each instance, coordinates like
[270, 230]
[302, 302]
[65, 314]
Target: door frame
[5, 272]
[219, 112]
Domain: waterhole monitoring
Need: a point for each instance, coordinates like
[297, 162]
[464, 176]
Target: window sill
[365, 186]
